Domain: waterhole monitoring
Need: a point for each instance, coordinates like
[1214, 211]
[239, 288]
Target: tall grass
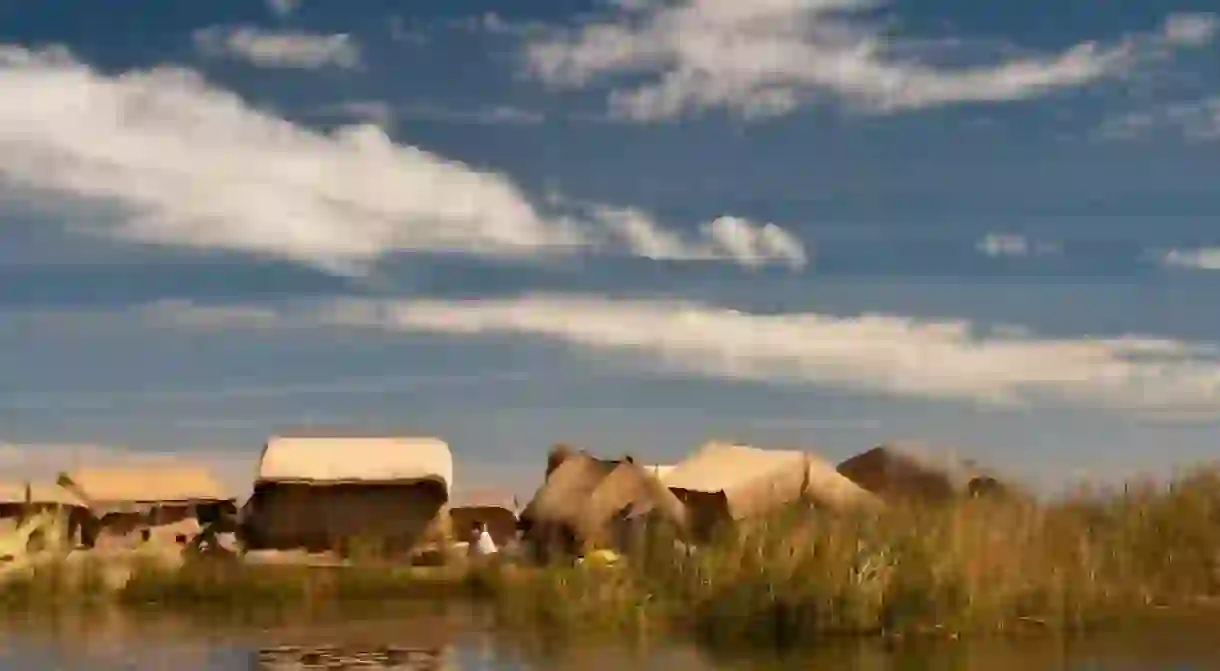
[977, 567]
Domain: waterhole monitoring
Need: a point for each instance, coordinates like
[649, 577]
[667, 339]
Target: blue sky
[633, 225]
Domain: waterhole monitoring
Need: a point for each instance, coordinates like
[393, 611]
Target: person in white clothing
[481, 542]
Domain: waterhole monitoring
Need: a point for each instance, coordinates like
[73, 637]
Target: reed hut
[551, 522]
[908, 471]
[495, 508]
[726, 483]
[20, 500]
[132, 505]
[625, 503]
[323, 493]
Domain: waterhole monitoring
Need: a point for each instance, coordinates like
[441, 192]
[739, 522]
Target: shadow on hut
[906, 472]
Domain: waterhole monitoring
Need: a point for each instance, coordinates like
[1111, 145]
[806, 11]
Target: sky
[631, 225]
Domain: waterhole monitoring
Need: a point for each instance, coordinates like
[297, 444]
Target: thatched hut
[551, 521]
[909, 471]
[627, 500]
[495, 508]
[725, 482]
[163, 504]
[19, 500]
[322, 493]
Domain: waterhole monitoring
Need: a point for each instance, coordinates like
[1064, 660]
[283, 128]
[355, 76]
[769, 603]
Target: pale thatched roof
[906, 470]
[39, 493]
[331, 460]
[146, 484]
[754, 481]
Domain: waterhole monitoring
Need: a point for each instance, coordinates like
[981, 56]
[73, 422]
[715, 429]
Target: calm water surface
[456, 641]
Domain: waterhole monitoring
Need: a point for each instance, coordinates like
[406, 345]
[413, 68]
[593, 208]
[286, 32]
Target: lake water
[456, 641]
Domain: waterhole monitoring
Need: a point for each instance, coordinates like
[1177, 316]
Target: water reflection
[456, 640]
[294, 658]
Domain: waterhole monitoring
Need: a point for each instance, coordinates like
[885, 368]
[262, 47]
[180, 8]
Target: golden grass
[978, 567]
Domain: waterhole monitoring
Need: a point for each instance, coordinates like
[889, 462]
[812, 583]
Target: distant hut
[20, 500]
[321, 493]
[724, 482]
[495, 508]
[162, 504]
[911, 472]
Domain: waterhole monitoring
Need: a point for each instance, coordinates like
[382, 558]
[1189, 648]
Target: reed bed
[976, 567]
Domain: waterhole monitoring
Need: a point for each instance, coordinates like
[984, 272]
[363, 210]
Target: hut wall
[166, 525]
[398, 517]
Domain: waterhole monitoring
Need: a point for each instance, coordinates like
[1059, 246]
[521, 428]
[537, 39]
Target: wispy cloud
[495, 24]
[402, 33]
[889, 354]
[191, 165]
[278, 49]
[495, 115]
[1011, 245]
[283, 7]
[766, 59]
[385, 114]
[1205, 258]
[367, 111]
[746, 242]
[1197, 120]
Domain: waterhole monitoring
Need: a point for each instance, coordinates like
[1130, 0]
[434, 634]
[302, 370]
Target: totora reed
[977, 567]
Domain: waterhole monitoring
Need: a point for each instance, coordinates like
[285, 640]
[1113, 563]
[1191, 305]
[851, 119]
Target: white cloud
[1206, 258]
[766, 58]
[191, 165]
[1191, 28]
[278, 49]
[887, 354]
[745, 242]
[1007, 244]
[283, 7]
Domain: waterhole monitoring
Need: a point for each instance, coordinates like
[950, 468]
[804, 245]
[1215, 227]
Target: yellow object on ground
[599, 558]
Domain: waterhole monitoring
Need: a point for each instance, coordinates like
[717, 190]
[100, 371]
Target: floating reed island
[732, 544]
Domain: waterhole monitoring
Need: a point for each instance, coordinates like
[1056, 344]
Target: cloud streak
[1204, 258]
[886, 354]
[766, 59]
[190, 165]
[283, 8]
[997, 245]
[1194, 121]
[278, 49]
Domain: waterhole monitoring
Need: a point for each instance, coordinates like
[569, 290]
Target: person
[481, 543]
